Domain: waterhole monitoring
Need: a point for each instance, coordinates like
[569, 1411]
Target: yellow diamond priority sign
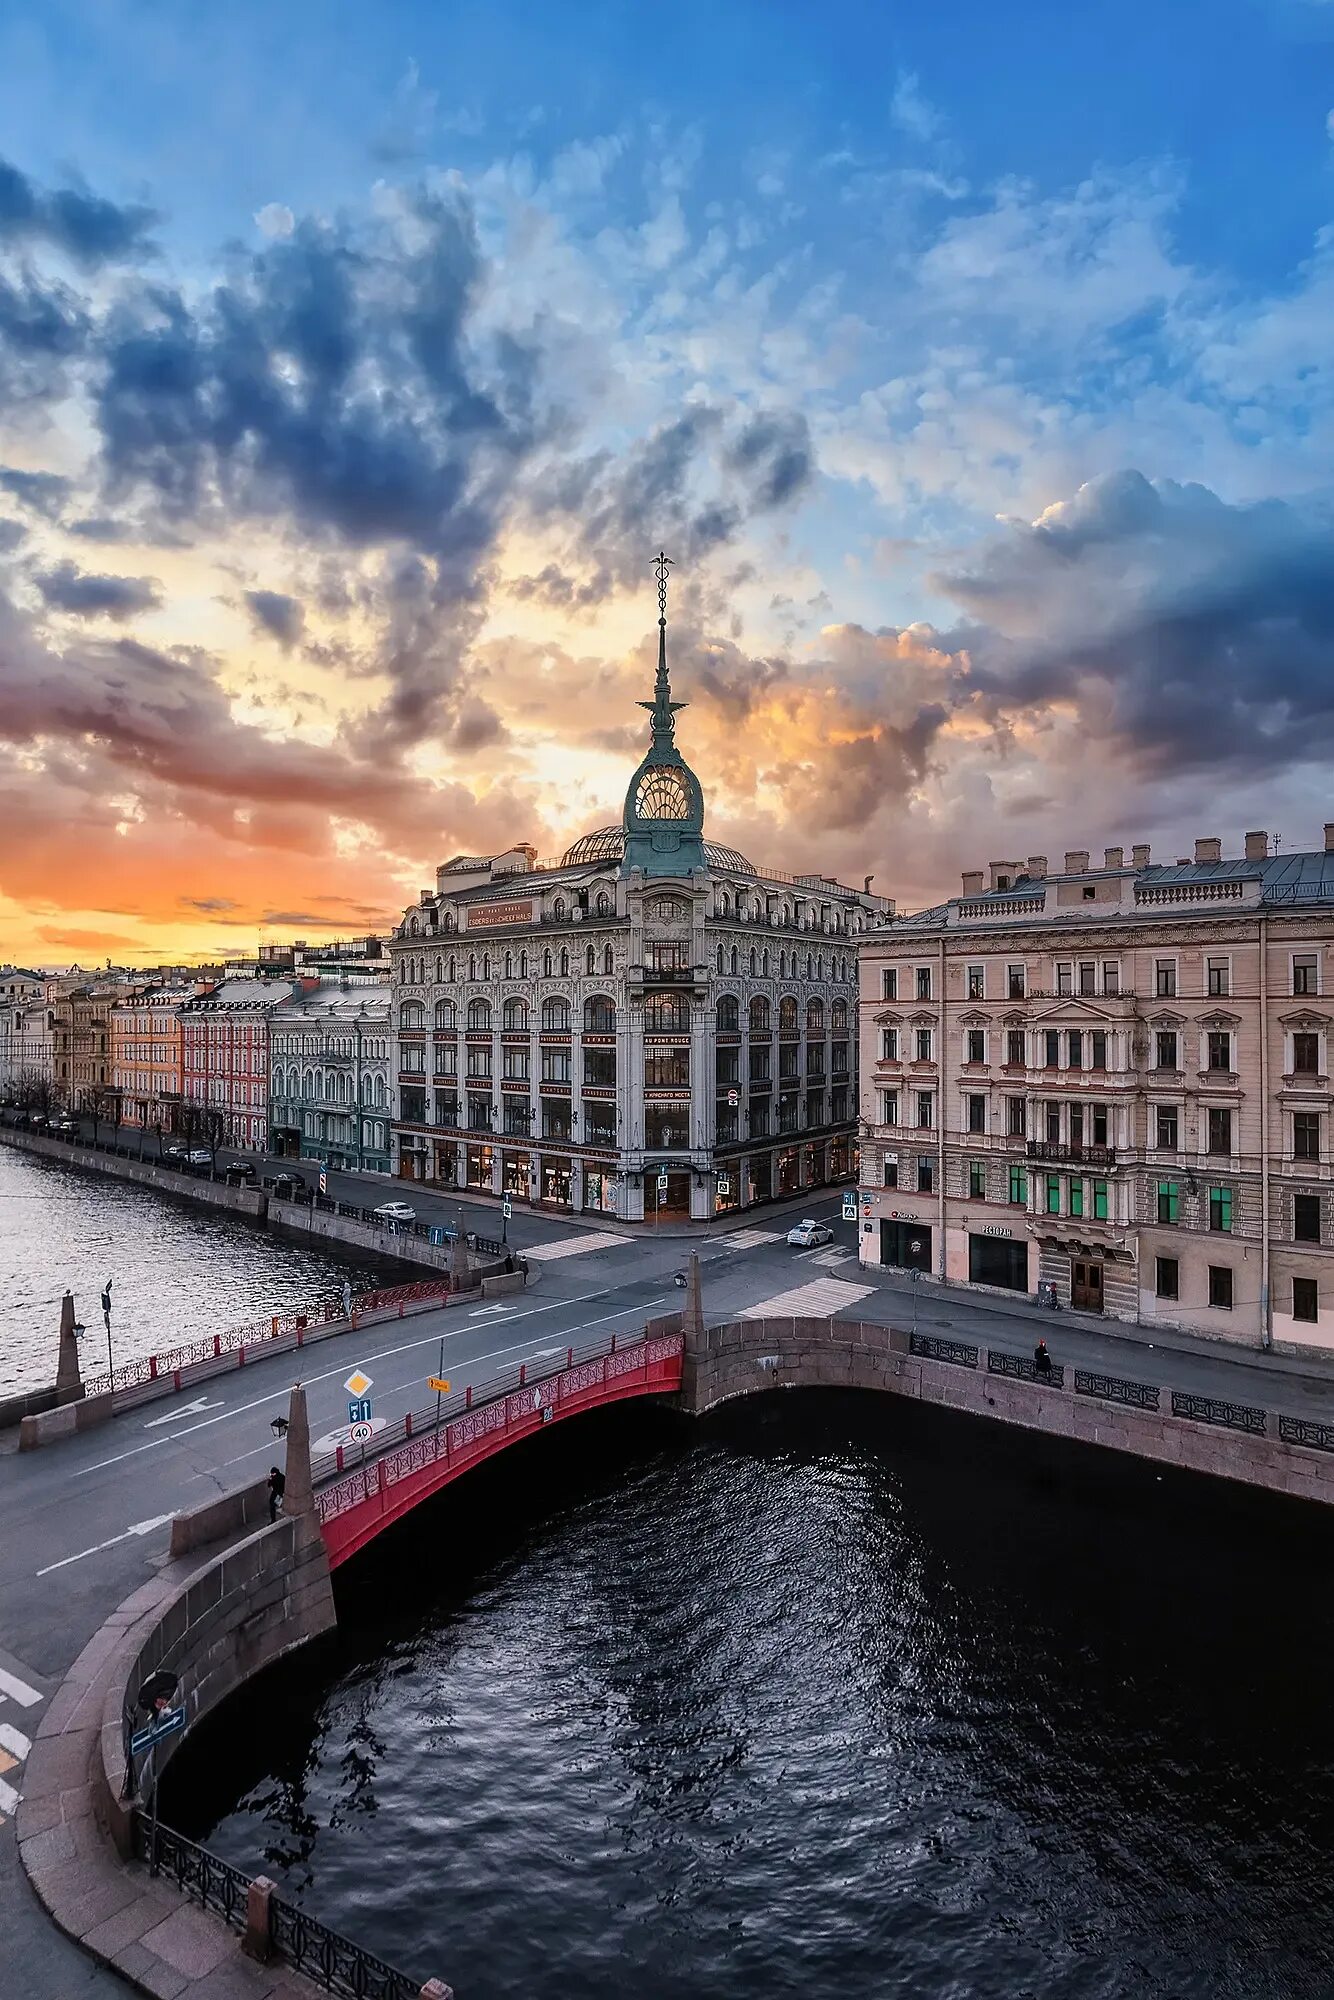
[358, 1382]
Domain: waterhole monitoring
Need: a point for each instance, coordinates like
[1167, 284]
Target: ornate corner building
[649, 1026]
[1114, 1081]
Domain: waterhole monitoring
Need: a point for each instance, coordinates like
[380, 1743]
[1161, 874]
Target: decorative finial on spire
[662, 563]
[662, 707]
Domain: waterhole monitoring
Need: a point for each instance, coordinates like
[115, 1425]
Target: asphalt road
[86, 1519]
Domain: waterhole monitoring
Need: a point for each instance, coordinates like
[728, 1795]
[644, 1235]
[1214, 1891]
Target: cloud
[83, 595]
[283, 618]
[43, 493]
[86, 227]
[910, 111]
[275, 219]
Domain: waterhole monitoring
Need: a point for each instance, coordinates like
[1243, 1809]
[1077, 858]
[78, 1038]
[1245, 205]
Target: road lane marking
[9, 1799]
[185, 1410]
[137, 1528]
[18, 1690]
[408, 1347]
[820, 1299]
[573, 1246]
[14, 1741]
[486, 1312]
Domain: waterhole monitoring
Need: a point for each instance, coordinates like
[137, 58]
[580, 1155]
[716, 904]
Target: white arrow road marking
[490, 1312]
[9, 1799]
[18, 1690]
[13, 1740]
[184, 1410]
[137, 1528]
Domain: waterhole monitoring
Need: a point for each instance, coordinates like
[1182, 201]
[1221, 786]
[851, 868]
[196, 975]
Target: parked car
[806, 1235]
[199, 1156]
[244, 1168]
[173, 1152]
[394, 1211]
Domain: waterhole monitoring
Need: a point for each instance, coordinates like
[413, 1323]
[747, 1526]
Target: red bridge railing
[416, 1456]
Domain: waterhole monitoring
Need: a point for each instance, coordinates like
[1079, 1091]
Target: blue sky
[974, 361]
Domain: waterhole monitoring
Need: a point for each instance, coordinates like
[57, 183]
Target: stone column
[692, 1313]
[458, 1258]
[69, 1382]
[298, 1494]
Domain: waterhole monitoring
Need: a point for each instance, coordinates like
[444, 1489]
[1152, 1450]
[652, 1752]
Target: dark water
[825, 1696]
[180, 1269]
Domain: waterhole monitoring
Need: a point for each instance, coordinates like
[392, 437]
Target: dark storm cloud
[283, 618]
[43, 493]
[775, 453]
[87, 227]
[43, 328]
[83, 595]
[1196, 634]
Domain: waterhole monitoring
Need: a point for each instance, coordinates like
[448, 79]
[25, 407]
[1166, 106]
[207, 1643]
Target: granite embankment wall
[148, 1173]
[1233, 1441]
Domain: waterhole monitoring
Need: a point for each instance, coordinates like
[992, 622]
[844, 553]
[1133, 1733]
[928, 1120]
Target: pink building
[225, 1054]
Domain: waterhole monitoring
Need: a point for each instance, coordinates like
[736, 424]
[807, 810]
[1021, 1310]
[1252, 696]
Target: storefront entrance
[515, 1175]
[556, 1182]
[479, 1167]
[998, 1261]
[906, 1245]
[672, 1201]
[1086, 1284]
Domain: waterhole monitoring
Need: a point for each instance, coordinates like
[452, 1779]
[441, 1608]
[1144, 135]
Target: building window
[1165, 978]
[1219, 1047]
[664, 1013]
[1306, 1055]
[1017, 1117]
[977, 1180]
[1076, 1048]
[1018, 1186]
[1100, 1201]
[1220, 1209]
[889, 1107]
[977, 1045]
[600, 1066]
[1305, 1135]
[1076, 1197]
[556, 1016]
[1167, 1277]
[1165, 1123]
[1305, 1299]
[515, 1065]
[1304, 980]
[891, 1170]
[759, 1118]
[556, 1067]
[761, 1064]
[1099, 1041]
[1098, 1114]
[1053, 1049]
[1220, 1130]
[1053, 1194]
[1065, 977]
[977, 982]
[1053, 1121]
[1306, 1218]
[1014, 1048]
[1088, 976]
[664, 1069]
[924, 1107]
[479, 1062]
[1015, 981]
[1165, 1049]
[1220, 1286]
[977, 1112]
[924, 982]
[759, 1017]
[889, 984]
[889, 1045]
[926, 1173]
[1111, 976]
[924, 1045]
[1217, 980]
[1168, 1194]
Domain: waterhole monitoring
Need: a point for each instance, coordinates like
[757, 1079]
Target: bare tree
[35, 1091]
[96, 1104]
[215, 1131]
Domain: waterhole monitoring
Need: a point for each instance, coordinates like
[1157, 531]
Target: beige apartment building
[1115, 1080]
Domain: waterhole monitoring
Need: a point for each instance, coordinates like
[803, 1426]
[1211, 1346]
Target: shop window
[1167, 1277]
[1305, 1299]
[1220, 1286]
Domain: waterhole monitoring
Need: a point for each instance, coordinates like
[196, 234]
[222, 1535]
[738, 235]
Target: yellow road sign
[357, 1383]
[438, 1383]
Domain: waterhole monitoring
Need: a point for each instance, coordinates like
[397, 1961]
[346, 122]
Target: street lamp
[278, 1425]
[106, 1315]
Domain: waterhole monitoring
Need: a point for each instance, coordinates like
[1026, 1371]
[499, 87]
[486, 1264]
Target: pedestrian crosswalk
[831, 1256]
[14, 1745]
[820, 1299]
[749, 1239]
[574, 1246]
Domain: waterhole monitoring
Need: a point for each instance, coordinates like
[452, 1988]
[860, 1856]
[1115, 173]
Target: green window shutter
[1100, 1201]
[1076, 1197]
[1053, 1194]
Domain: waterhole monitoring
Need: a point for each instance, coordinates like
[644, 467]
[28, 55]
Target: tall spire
[662, 708]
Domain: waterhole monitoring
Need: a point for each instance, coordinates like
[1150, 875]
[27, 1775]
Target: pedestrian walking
[277, 1487]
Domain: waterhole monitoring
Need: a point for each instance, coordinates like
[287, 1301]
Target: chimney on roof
[1257, 846]
[1037, 867]
[972, 881]
[1076, 860]
[1113, 857]
[1208, 850]
[1139, 856]
[1003, 873]
[1329, 836]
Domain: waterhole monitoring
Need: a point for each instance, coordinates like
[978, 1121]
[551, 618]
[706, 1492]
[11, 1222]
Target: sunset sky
[975, 364]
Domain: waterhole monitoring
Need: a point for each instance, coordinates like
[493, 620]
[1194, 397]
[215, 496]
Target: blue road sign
[165, 1723]
[849, 1208]
[359, 1412]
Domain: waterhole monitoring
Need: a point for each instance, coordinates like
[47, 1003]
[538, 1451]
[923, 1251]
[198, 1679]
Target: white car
[395, 1211]
[199, 1156]
[806, 1235]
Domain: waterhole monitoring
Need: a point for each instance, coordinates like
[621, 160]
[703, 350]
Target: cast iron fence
[1306, 1430]
[196, 1872]
[1215, 1410]
[1115, 1389]
[1022, 1368]
[932, 1348]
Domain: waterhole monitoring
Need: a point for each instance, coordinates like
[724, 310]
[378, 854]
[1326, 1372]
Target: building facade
[330, 1090]
[26, 1040]
[81, 1032]
[146, 1058]
[650, 1026]
[1115, 1081]
[225, 1057]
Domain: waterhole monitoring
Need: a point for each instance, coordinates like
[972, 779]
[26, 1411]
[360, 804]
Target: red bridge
[354, 1506]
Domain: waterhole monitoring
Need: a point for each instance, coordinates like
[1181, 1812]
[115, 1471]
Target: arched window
[590, 959]
[599, 1015]
[752, 961]
[782, 965]
[486, 965]
[546, 964]
[603, 904]
[453, 975]
[815, 1017]
[564, 963]
[819, 966]
[725, 904]
[759, 1017]
[787, 1014]
[838, 1016]
[523, 965]
[729, 1014]
[764, 963]
[414, 928]
[439, 970]
[514, 1019]
[666, 1013]
[556, 1017]
[445, 1015]
[451, 921]
[412, 1014]
[720, 958]
[809, 963]
[734, 961]
[558, 909]
[608, 961]
[509, 965]
[472, 965]
[479, 1017]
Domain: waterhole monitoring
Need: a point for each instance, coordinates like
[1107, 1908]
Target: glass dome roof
[607, 843]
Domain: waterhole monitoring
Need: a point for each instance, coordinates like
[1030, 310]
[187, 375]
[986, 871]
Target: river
[180, 1269]
[823, 1695]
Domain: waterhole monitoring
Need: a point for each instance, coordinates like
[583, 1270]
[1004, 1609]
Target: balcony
[1054, 1153]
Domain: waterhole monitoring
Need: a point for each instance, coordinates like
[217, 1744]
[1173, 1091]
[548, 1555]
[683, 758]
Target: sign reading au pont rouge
[482, 914]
